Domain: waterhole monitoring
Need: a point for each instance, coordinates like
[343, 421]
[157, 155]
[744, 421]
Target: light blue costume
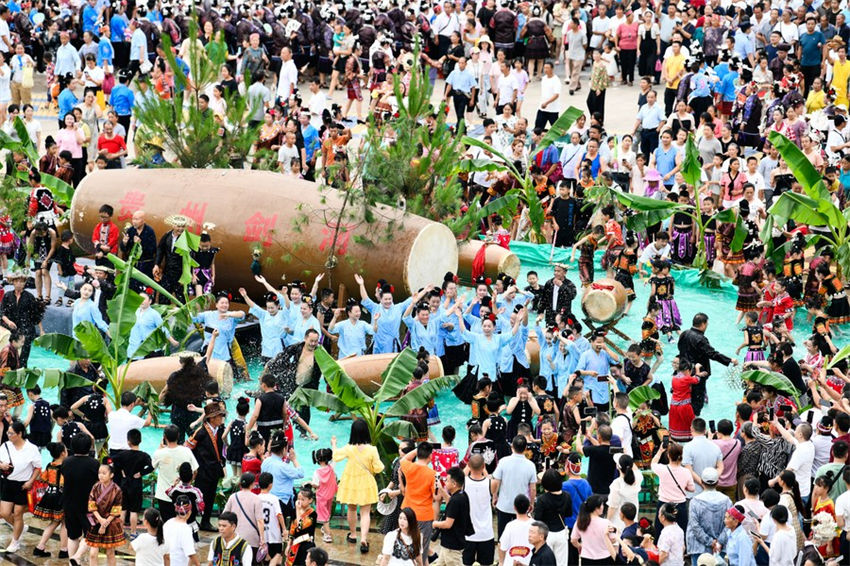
[550, 350]
[739, 548]
[87, 311]
[515, 350]
[300, 327]
[601, 364]
[485, 351]
[509, 306]
[565, 365]
[147, 321]
[226, 332]
[427, 337]
[386, 337]
[271, 330]
[450, 337]
[352, 337]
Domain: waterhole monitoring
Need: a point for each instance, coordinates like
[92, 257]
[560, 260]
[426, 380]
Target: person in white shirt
[167, 461]
[5, 35]
[514, 547]
[551, 99]
[621, 424]
[272, 516]
[288, 78]
[20, 464]
[802, 458]
[149, 547]
[179, 541]
[600, 29]
[480, 545]
[121, 421]
[783, 548]
[506, 89]
[842, 504]
[317, 104]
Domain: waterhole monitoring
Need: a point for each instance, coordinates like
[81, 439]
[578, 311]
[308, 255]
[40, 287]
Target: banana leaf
[121, 265]
[319, 400]
[399, 429]
[155, 341]
[691, 168]
[496, 153]
[150, 397]
[343, 387]
[89, 336]
[772, 379]
[421, 395]
[63, 193]
[643, 394]
[184, 246]
[476, 165]
[68, 380]
[397, 375]
[24, 378]
[737, 242]
[842, 354]
[27, 145]
[646, 211]
[799, 208]
[560, 127]
[62, 345]
[800, 166]
[504, 205]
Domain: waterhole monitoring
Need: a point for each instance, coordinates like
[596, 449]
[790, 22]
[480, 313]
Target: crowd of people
[558, 458]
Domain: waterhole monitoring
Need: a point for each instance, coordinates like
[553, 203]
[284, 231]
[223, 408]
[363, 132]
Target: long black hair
[586, 510]
[627, 469]
[789, 479]
[359, 432]
[186, 385]
[153, 517]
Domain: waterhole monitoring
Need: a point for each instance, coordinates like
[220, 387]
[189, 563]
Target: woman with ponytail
[790, 498]
[624, 489]
[671, 540]
[591, 533]
[150, 546]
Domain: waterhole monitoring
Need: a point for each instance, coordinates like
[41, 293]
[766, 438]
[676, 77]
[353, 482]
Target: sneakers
[41, 553]
[13, 547]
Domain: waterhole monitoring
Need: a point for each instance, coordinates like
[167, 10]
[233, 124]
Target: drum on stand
[604, 300]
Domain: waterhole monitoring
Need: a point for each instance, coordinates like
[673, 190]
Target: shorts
[74, 525]
[68, 280]
[483, 552]
[13, 492]
[275, 548]
[40, 439]
[725, 107]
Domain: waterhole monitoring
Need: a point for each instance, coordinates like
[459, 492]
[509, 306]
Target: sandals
[351, 538]
[327, 538]
[59, 302]
[364, 548]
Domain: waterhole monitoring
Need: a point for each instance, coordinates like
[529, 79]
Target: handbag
[658, 65]
[108, 83]
[263, 551]
[145, 67]
[26, 77]
[11, 469]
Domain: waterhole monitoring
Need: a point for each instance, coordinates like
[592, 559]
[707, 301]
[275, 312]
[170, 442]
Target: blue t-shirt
[66, 101]
[812, 48]
[117, 24]
[121, 100]
[579, 490]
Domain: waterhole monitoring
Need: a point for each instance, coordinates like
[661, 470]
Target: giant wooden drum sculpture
[259, 210]
[156, 372]
[604, 300]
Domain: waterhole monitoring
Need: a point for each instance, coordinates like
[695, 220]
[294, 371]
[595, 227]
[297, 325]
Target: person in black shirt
[542, 554]
[551, 507]
[144, 235]
[601, 469]
[21, 311]
[64, 260]
[457, 524]
[695, 348]
[79, 471]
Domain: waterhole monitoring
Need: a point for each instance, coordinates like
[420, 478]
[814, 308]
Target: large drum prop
[366, 370]
[288, 220]
[496, 260]
[156, 372]
[604, 300]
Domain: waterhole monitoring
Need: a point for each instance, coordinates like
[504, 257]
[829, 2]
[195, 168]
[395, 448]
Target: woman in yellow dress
[357, 487]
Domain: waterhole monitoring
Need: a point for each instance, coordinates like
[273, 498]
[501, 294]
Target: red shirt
[252, 464]
[681, 386]
[111, 145]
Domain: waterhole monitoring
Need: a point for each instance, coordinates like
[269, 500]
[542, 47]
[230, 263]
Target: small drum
[604, 300]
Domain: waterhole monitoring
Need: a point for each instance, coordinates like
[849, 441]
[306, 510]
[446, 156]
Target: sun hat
[652, 175]
[386, 504]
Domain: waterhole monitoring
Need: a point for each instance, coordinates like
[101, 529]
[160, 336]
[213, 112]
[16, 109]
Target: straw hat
[16, 274]
[179, 221]
[156, 142]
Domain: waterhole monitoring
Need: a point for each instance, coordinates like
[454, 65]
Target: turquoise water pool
[691, 298]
